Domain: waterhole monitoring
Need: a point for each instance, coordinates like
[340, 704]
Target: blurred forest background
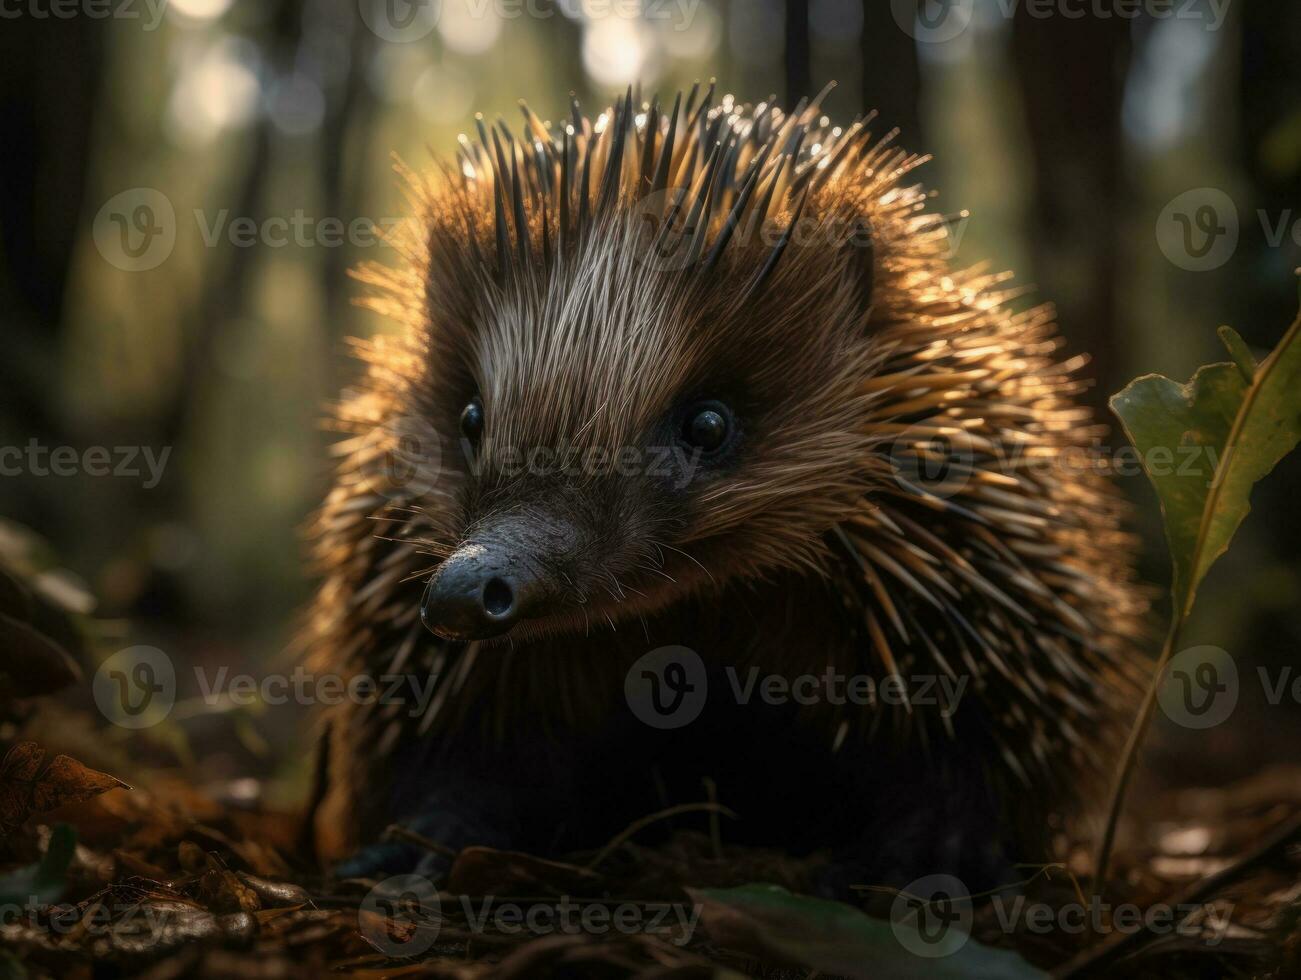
[1065, 137]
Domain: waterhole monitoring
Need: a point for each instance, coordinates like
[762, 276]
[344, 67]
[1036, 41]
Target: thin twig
[638, 825]
[407, 836]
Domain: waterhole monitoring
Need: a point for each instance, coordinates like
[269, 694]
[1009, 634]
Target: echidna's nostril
[498, 597]
[482, 590]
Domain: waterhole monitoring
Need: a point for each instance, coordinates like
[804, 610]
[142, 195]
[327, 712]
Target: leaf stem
[1129, 755]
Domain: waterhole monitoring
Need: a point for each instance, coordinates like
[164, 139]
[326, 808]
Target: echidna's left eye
[707, 427]
[472, 420]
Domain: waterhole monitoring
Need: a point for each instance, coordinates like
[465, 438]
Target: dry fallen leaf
[26, 789]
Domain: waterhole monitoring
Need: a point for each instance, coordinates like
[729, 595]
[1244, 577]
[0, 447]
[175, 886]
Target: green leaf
[831, 937]
[1240, 352]
[43, 882]
[1242, 417]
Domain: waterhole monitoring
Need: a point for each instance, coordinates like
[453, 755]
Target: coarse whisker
[420, 574]
[656, 571]
[692, 558]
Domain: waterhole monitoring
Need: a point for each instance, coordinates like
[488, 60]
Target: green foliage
[1246, 417]
[11, 968]
[44, 881]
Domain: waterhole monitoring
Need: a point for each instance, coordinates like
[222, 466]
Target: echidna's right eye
[708, 427]
[472, 420]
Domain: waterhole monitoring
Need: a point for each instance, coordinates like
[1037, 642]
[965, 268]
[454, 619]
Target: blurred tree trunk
[1072, 74]
[1265, 299]
[891, 76]
[564, 43]
[799, 73]
[224, 293]
[50, 76]
[344, 137]
[1270, 102]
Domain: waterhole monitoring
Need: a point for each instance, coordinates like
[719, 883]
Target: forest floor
[159, 881]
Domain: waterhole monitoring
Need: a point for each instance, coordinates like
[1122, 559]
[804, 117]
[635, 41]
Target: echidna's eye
[707, 427]
[472, 420]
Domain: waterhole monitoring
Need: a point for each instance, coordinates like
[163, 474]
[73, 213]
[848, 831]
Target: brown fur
[846, 363]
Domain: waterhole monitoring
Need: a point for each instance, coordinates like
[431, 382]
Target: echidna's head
[629, 410]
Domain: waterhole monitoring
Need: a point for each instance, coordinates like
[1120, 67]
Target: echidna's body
[797, 286]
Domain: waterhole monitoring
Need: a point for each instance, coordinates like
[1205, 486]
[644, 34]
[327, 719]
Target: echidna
[701, 376]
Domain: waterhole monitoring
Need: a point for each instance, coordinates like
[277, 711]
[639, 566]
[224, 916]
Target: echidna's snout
[491, 582]
[478, 593]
